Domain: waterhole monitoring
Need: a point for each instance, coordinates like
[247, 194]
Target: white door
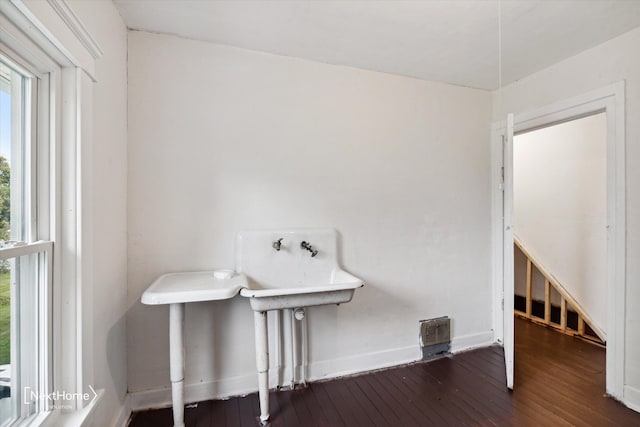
[507, 251]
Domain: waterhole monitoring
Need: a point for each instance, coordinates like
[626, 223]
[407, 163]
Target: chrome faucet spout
[307, 246]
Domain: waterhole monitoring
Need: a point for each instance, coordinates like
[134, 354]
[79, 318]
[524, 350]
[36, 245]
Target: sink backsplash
[292, 265]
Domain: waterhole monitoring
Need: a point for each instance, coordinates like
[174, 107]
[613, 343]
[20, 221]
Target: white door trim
[609, 99]
[507, 251]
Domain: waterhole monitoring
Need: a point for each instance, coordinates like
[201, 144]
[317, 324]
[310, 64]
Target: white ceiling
[449, 41]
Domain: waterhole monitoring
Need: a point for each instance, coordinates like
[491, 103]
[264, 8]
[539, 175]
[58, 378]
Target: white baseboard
[219, 389]
[468, 342]
[335, 368]
[631, 398]
[321, 370]
[122, 418]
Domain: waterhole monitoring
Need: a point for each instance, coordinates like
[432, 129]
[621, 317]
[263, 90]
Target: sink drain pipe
[294, 347]
[278, 350]
[299, 315]
[303, 351]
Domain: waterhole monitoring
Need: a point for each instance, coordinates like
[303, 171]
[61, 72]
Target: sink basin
[336, 289]
[287, 275]
[288, 269]
[176, 288]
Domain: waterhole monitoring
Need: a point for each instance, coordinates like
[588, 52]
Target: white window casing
[49, 39]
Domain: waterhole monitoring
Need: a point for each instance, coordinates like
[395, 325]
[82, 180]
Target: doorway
[610, 101]
[560, 218]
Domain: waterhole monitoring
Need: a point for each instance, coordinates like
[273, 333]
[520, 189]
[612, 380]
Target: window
[25, 255]
[48, 69]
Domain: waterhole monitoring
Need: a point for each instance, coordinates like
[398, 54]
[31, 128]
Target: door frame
[609, 99]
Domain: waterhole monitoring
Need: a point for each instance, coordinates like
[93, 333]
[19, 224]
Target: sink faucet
[307, 246]
[277, 245]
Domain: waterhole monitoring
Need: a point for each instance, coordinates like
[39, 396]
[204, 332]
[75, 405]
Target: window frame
[33, 218]
[42, 382]
[66, 52]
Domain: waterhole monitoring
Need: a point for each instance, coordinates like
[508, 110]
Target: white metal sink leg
[176, 357]
[262, 362]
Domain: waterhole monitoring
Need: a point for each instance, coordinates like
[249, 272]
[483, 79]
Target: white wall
[109, 177]
[602, 65]
[223, 139]
[560, 201]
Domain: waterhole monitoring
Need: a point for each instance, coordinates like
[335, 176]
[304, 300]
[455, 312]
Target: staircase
[568, 318]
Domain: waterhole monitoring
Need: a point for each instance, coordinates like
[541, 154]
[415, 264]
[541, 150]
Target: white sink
[293, 276]
[288, 269]
[176, 288]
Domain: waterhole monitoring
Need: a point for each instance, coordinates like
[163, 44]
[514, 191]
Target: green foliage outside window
[5, 288]
[5, 206]
[5, 198]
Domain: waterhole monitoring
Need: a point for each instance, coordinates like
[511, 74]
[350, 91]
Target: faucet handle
[277, 245]
[307, 246]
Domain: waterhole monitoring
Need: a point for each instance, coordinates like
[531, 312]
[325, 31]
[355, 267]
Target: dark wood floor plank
[159, 417]
[198, 414]
[495, 375]
[348, 409]
[314, 413]
[386, 387]
[492, 391]
[442, 374]
[561, 394]
[429, 398]
[248, 406]
[406, 397]
[298, 402]
[218, 416]
[287, 412]
[475, 393]
[232, 412]
[559, 381]
[586, 384]
[329, 409]
[275, 411]
[353, 392]
[389, 413]
[324, 416]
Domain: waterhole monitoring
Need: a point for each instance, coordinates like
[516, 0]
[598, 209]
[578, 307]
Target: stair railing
[566, 300]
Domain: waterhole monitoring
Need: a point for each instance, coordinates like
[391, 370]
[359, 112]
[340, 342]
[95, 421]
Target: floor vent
[435, 337]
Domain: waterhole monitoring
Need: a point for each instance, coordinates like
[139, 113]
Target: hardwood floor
[559, 381]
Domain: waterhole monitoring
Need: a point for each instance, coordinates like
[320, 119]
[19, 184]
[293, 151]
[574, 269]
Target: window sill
[71, 419]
